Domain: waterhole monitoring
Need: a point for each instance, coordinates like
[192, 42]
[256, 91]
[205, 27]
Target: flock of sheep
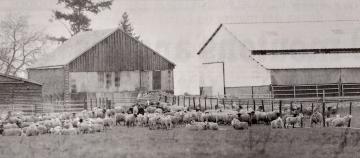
[158, 115]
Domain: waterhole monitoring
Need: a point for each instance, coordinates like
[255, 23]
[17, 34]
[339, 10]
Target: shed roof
[309, 61]
[72, 48]
[297, 35]
[17, 79]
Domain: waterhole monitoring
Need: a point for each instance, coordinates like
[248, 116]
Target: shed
[19, 91]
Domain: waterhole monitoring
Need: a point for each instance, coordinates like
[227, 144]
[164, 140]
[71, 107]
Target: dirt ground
[258, 141]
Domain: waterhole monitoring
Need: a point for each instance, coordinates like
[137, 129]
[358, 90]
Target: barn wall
[249, 91]
[305, 76]
[240, 69]
[51, 79]
[20, 93]
[119, 52]
[350, 75]
[129, 81]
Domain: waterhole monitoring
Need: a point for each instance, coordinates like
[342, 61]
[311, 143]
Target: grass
[258, 141]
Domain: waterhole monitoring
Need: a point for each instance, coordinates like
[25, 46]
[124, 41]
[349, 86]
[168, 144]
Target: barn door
[156, 80]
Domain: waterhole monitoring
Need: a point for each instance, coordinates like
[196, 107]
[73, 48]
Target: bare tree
[19, 44]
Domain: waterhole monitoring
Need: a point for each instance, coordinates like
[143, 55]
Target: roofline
[19, 78]
[47, 67]
[211, 37]
[305, 50]
[147, 47]
[313, 68]
[117, 29]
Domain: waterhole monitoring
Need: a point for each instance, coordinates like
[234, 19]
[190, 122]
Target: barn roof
[13, 79]
[74, 47]
[297, 35]
[309, 61]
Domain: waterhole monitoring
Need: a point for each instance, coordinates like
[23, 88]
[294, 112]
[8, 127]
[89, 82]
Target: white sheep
[196, 126]
[130, 120]
[341, 121]
[12, 132]
[293, 120]
[328, 121]
[212, 126]
[32, 130]
[166, 122]
[119, 117]
[236, 124]
[277, 123]
[153, 119]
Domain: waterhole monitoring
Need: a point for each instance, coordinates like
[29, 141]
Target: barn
[282, 60]
[101, 63]
[19, 91]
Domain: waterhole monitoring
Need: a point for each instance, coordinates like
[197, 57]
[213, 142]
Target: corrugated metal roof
[297, 35]
[73, 48]
[309, 61]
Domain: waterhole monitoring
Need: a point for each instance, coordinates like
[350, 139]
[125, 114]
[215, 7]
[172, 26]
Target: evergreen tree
[126, 26]
[77, 18]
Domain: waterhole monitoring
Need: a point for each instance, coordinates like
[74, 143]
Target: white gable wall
[240, 69]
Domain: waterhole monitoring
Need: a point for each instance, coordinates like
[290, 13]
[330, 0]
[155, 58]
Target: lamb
[239, 125]
[316, 118]
[341, 121]
[277, 123]
[293, 120]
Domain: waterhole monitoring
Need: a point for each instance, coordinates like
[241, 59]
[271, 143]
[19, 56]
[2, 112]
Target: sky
[178, 28]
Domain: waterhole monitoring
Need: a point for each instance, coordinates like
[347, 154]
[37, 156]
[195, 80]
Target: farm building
[19, 91]
[282, 60]
[101, 63]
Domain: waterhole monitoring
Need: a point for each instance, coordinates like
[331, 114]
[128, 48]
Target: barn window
[108, 80]
[101, 79]
[117, 79]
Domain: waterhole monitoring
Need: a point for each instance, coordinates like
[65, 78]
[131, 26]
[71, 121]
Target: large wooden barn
[282, 60]
[19, 91]
[101, 63]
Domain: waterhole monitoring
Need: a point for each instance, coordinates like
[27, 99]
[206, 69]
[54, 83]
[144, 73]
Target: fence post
[194, 103]
[166, 99]
[85, 104]
[262, 104]
[323, 112]
[205, 103]
[280, 104]
[217, 102]
[178, 98]
[247, 105]
[301, 110]
[200, 102]
[223, 102]
[232, 107]
[312, 108]
[254, 104]
[184, 100]
[272, 105]
[349, 124]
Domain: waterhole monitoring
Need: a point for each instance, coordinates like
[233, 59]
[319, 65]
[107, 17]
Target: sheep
[158, 110]
[277, 123]
[84, 127]
[236, 124]
[341, 121]
[70, 131]
[135, 110]
[130, 120]
[212, 126]
[119, 117]
[153, 119]
[42, 129]
[328, 121]
[119, 109]
[110, 112]
[196, 126]
[32, 130]
[316, 118]
[56, 130]
[150, 109]
[108, 122]
[293, 120]
[12, 132]
[166, 122]
[10, 125]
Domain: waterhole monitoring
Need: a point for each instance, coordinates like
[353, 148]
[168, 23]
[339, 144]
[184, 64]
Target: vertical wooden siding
[119, 52]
